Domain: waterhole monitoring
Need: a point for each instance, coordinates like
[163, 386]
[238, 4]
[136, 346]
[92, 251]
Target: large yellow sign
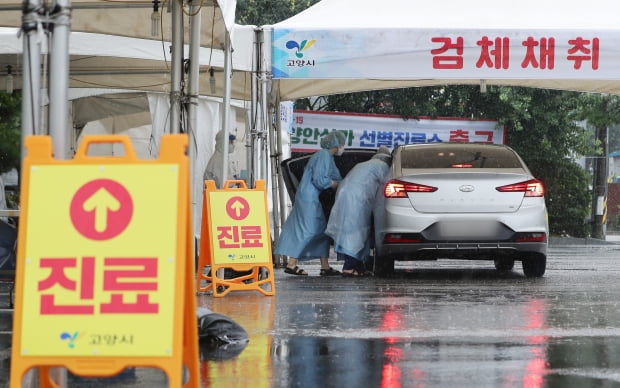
[100, 260]
[104, 275]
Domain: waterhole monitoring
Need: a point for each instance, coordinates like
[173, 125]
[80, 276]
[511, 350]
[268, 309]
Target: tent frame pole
[252, 121]
[271, 126]
[32, 30]
[177, 67]
[193, 91]
[58, 112]
[272, 129]
[279, 177]
[225, 110]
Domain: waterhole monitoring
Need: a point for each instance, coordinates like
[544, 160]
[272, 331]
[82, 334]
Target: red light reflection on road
[391, 373]
[537, 367]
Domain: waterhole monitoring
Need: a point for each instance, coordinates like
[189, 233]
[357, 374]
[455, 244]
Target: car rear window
[455, 157]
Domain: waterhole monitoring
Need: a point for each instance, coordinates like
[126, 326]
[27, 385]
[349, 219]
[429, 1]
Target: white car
[461, 201]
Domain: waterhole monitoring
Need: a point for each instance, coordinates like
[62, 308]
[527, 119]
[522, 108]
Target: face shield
[231, 143]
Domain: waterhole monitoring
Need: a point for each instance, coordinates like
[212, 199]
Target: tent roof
[116, 62]
[132, 18]
[402, 43]
[472, 14]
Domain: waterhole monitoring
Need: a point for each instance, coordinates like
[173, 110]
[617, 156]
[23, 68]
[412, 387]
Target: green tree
[262, 12]
[601, 112]
[10, 131]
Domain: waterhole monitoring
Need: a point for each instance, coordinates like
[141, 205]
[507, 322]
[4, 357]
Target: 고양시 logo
[300, 47]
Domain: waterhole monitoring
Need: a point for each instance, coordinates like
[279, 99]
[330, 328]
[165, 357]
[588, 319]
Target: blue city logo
[70, 338]
[299, 48]
[231, 256]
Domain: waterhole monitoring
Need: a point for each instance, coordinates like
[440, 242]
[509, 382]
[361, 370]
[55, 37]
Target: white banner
[382, 53]
[286, 116]
[373, 131]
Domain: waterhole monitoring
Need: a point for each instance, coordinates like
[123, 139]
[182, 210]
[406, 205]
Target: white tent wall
[140, 134]
[150, 121]
[209, 119]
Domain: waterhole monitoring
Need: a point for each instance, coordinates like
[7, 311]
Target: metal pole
[280, 178]
[273, 128]
[270, 129]
[32, 30]
[600, 187]
[193, 89]
[251, 138]
[60, 29]
[60, 25]
[226, 104]
[177, 67]
[31, 95]
[264, 89]
[274, 154]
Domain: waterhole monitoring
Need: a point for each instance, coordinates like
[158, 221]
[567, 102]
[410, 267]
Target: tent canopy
[116, 62]
[132, 18]
[567, 45]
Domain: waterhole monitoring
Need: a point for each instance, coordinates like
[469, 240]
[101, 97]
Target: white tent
[340, 46]
[115, 62]
[148, 63]
[132, 18]
[354, 45]
[120, 85]
[165, 21]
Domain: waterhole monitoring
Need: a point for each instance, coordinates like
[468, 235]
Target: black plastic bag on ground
[220, 338]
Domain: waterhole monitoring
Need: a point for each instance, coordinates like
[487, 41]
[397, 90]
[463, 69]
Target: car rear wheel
[383, 266]
[534, 265]
[504, 265]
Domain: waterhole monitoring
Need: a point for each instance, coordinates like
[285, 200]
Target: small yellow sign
[235, 234]
[239, 227]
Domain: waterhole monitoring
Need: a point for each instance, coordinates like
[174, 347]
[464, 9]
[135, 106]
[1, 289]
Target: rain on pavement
[434, 324]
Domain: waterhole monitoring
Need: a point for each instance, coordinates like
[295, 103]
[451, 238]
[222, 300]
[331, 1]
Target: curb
[580, 241]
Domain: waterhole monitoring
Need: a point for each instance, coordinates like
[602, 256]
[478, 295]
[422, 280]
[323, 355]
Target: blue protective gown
[303, 234]
[350, 218]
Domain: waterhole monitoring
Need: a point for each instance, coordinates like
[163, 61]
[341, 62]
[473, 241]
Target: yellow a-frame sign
[105, 266]
[235, 234]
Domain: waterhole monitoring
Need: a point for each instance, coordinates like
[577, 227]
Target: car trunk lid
[466, 192]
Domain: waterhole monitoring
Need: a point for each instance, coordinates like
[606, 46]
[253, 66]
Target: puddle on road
[435, 333]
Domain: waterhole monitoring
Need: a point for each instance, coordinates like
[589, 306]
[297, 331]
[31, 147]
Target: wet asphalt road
[434, 324]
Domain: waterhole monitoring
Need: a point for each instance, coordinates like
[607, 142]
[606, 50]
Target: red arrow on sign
[237, 208]
[101, 209]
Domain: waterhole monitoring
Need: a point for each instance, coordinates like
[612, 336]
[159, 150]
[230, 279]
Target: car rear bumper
[405, 234]
[461, 250]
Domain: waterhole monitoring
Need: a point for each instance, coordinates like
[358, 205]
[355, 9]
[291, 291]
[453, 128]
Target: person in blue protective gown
[303, 234]
[351, 216]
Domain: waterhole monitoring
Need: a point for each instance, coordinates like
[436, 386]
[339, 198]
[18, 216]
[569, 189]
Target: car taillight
[531, 237]
[399, 189]
[401, 238]
[531, 188]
